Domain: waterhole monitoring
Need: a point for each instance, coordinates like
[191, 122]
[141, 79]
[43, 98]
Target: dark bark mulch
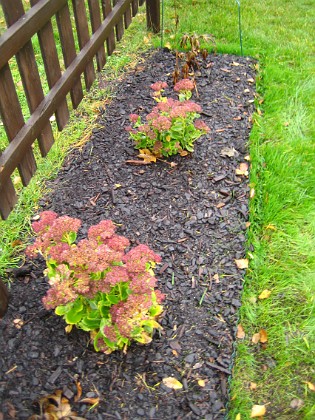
[194, 215]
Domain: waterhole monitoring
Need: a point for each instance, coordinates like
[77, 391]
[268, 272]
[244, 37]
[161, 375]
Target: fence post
[153, 15]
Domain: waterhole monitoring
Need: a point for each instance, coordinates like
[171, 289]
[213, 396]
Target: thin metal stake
[162, 31]
[240, 24]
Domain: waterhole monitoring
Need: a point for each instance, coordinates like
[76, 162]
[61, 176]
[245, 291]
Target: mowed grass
[281, 236]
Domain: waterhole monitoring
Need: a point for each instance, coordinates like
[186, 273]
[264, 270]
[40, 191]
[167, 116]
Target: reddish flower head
[183, 85]
[158, 86]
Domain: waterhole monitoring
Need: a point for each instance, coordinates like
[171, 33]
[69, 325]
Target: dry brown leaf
[56, 406]
[220, 205]
[258, 411]
[263, 336]
[242, 263]
[79, 391]
[146, 155]
[253, 386]
[172, 383]
[256, 338]
[296, 403]
[92, 401]
[240, 332]
[311, 386]
[265, 294]
[242, 170]
[229, 151]
[216, 278]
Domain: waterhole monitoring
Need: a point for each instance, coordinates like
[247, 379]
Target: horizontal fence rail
[85, 30]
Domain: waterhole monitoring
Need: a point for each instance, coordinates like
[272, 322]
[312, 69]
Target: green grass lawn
[281, 237]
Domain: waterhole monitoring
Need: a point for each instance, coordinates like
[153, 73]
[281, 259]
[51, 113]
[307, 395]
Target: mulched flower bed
[193, 214]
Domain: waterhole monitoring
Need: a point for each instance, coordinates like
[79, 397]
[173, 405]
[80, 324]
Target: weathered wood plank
[8, 199]
[153, 15]
[52, 67]
[95, 15]
[13, 121]
[15, 37]
[23, 140]
[83, 37]
[25, 58]
[68, 51]
[119, 26]
[111, 42]
[128, 18]
[134, 7]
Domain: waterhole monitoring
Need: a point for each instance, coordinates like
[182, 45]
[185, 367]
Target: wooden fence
[107, 19]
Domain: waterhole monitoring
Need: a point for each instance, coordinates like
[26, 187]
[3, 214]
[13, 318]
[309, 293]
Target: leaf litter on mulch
[194, 215]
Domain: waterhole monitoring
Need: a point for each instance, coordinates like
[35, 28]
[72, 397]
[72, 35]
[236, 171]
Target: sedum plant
[170, 127]
[95, 284]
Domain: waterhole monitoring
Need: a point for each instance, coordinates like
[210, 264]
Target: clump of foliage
[95, 284]
[170, 127]
[189, 61]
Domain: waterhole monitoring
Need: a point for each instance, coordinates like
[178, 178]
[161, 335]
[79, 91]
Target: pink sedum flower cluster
[170, 127]
[94, 270]
[184, 85]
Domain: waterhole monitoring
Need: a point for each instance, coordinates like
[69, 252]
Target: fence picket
[52, 67]
[13, 121]
[111, 42]
[95, 15]
[8, 199]
[128, 18]
[68, 50]
[135, 7]
[25, 58]
[83, 37]
[119, 25]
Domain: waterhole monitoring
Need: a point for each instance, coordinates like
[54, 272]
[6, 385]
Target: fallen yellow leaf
[242, 263]
[256, 338]
[271, 227]
[258, 411]
[252, 193]
[253, 386]
[172, 383]
[238, 416]
[242, 170]
[68, 328]
[263, 336]
[265, 294]
[201, 382]
[310, 386]
[240, 332]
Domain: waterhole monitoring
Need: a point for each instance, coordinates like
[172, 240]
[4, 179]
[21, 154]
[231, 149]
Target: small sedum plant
[95, 284]
[170, 128]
